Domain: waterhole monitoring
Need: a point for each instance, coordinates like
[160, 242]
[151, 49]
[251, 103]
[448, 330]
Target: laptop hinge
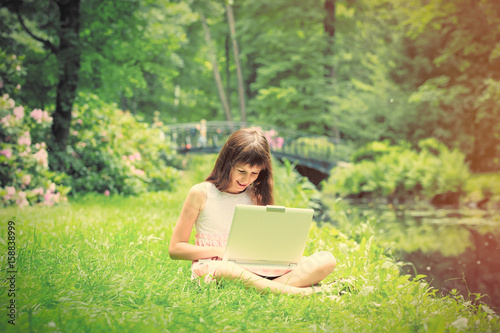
[263, 262]
[279, 209]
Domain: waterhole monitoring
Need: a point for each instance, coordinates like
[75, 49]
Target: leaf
[460, 324]
[436, 324]
[489, 311]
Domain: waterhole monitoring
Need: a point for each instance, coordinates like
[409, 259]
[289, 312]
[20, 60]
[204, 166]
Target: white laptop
[268, 236]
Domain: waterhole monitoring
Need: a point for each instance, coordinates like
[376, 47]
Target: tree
[464, 80]
[329, 25]
[215, 67]
[241, 88]
[283, 45]
[133, 53]
[67, 52]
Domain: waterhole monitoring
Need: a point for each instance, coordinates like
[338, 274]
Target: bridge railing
[315, 151]
[202, 137]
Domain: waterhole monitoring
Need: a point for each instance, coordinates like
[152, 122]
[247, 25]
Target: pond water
[455, 249]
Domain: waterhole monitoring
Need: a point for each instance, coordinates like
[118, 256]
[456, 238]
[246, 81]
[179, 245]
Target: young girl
[242, 175]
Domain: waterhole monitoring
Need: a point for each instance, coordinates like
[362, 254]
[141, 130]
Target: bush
[294, 190]
[11, 74]
[25, 178]
[484, 189]
[113, 152]
[373, 151]
[399, 173]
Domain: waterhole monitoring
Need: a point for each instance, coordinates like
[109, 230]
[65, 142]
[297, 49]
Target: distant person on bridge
[242, 175]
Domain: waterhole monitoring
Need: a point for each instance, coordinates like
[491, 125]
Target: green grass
[100, 264]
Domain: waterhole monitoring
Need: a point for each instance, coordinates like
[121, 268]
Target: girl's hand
[220, 252]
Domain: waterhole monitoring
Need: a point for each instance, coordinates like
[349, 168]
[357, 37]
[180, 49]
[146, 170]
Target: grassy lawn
[100, 264]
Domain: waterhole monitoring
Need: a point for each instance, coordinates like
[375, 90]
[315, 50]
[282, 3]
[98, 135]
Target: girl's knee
[327, 261]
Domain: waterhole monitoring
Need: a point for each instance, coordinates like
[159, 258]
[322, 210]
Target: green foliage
[137, 45]
[110, 151]
[399, 173]
[484, 187]
[39, 73]
[198, 167]
[25, 178]
[373, 151]
[294, 190]
[403, 70]
[375, 76]
[314, 147]
[289, 91]
[458, 83]
[11, 73]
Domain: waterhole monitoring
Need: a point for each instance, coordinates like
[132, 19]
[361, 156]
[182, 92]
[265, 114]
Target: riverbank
[455, 248]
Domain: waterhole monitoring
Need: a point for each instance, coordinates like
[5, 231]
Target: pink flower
[26, 179]
[5, 120]
[135, 157]
[279, 142]
[41, 157]
[25, 139]
[11, 190]
[139, 172]
[57, 197]
[21, 199]
[106, 193]
[37, 191]
[37, 114]
[45, 117]
[22, 202]
[48, 198]
[79, 121]
[19, 112]
[7, 153]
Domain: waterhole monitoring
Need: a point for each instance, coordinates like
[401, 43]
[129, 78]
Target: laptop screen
[272, 235]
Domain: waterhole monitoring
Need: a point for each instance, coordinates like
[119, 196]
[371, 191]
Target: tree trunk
[68, 57]
[215, 68]
[329, 26]
[227, 49]
[241, 90]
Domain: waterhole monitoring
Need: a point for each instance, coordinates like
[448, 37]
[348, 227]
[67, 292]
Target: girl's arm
[179, 247]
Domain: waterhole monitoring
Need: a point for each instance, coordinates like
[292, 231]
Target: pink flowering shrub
[113, 152]
[275, 142]
[25, 178]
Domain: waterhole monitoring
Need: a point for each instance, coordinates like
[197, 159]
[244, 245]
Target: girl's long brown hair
[247, 146]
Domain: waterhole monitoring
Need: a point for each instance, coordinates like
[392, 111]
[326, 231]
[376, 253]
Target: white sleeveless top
[215, 219]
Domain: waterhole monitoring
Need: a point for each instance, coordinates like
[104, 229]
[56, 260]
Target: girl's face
[242, 175]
